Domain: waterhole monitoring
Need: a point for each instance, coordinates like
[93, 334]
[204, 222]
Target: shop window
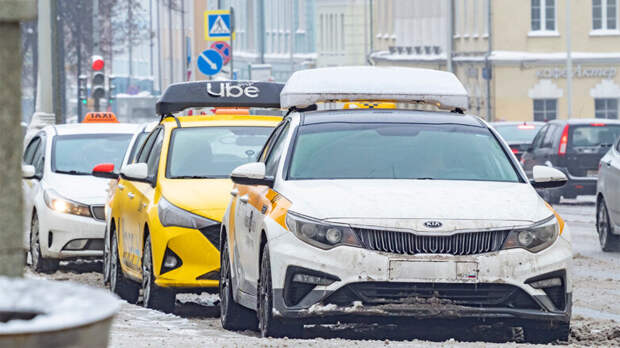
[604, 14]
[543, 15]
[545, 109]
[606, 108]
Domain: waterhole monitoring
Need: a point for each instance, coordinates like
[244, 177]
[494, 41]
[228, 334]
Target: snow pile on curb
[62, 305]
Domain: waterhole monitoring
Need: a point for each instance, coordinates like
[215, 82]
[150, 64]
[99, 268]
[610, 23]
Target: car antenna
[165, 116]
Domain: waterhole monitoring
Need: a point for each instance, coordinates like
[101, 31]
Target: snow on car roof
[406, 85]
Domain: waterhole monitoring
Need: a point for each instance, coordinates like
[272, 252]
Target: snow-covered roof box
[404, 85]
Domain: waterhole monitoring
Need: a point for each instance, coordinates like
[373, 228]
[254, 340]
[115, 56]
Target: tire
[543, 334]
[608, 240]
[232, 315]
[38, 262]
[267, 324]
[154, 296]
[107, 263]
[123, 287]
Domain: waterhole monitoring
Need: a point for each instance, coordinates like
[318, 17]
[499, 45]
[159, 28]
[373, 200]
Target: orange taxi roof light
[100, 117]
[232, 111]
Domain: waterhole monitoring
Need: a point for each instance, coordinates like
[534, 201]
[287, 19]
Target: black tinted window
[593, 135]
[273, 158]
[549, 136]
[148, 145]
[31, 150]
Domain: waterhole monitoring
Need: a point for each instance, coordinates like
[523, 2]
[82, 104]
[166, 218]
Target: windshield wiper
[424, 178]
[71, 172]
[191, 177]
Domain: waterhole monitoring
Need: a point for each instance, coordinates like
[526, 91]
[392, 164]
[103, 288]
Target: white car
[608, 199]
[374, 213]
[64, 214]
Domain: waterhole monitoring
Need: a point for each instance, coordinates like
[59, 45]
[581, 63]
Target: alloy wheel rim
[264, 304]
[146, 277]
[113, 266]
[602, 225]
[34, 243]
[224, 288]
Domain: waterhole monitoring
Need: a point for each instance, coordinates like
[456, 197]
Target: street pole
[569, 65]
[291, 36]
[183, 42]
[79, 62]
[261, 31]
[171, 51]
[232, 39]
[159, 73]
[57, 92]
[151, 41]
[488, 63]
[450, 38]
[129, 40]
[12, 227]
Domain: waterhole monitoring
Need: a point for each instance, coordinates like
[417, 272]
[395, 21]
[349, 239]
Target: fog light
[76, 244]
[333, 235]
[526, 238]
[310, 279]
[546, 283]
[170, 261]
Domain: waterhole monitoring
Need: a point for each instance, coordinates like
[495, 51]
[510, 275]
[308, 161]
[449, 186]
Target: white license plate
[592, 173]
[433, 270]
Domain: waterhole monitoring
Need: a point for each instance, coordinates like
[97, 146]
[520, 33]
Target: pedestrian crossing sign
[218, 25]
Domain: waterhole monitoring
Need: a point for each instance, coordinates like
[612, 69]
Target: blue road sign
[218, 25]
[209, 62]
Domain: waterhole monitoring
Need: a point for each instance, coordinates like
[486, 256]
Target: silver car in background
[608, 199]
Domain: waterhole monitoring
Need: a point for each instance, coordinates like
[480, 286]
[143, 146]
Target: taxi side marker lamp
[381, 84]
[203, 94]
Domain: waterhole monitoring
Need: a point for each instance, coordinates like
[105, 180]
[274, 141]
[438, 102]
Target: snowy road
[596, 311]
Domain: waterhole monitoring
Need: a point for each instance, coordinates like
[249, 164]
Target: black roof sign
[180, 96]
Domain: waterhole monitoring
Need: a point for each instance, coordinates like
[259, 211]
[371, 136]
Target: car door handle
[131, 195]
[234, 192]
[244, 199]
[121, 187]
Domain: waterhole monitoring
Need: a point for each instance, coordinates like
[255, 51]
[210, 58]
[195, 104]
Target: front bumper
[198, 254]
[56, 230]
[370, 284]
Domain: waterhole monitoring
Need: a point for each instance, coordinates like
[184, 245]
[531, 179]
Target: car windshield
[79, 154]
[399, 151]
[521, 133]
[593, 135]
[213, 152]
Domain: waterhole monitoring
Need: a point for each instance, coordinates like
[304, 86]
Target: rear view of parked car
[518, 135]
[575, 147]
[608, 200]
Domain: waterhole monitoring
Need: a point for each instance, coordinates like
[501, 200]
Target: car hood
[407, 204]
[85, 189]
[205, 197]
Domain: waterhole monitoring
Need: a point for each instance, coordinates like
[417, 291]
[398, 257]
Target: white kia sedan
[63, 203]
[375, 213]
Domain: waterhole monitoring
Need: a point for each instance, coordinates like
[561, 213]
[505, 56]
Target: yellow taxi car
[167, 209]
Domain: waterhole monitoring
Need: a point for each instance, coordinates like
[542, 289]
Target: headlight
[63, 205]
[171, 215]
[320, 234]
[535, 238]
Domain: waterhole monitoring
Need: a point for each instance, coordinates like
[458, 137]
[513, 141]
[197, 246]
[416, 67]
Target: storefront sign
[579, 72]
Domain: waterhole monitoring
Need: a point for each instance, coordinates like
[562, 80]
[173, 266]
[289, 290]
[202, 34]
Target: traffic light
[97, 81]
[111, 89]
[82, 90]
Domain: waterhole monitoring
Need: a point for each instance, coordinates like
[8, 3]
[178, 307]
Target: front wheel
[154, 296]
[267, 324]
[608, 240]
[107, 263]
[123, 287]
[38, 262]
[232, 315]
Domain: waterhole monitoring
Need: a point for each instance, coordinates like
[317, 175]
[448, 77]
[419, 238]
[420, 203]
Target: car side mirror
[251, 174]
[28, 171]
[547, 177]
[105, 170]
[136, 171]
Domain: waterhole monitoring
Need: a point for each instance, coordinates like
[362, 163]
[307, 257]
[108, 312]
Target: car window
[31, 149]
[148, 145]
[213, 152]
[539, 137]
[549, 135]
[140, 138]
[273, 157]
[154, 156]
[593, 135]
[38, 160]
[78, 154]
[270, 141]
[399, 151]
[521, 133]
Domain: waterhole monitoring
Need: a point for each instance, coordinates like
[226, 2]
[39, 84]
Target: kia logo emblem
[433, 224]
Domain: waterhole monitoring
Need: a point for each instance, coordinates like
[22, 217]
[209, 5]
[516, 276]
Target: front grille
[98, 211]
[470, 243]
[473, 295]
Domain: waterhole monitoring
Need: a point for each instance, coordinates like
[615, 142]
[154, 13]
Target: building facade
[512, 55]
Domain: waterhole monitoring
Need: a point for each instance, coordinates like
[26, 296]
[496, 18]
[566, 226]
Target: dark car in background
[575, 147]
[518, 135]
[608, 200]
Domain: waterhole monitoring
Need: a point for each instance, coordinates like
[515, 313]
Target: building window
[606, 108]
[543, 15]
[604, 15]
[545, 109]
